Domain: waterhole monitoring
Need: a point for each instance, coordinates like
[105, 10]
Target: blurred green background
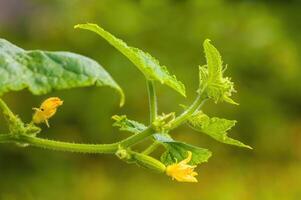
[260, 42]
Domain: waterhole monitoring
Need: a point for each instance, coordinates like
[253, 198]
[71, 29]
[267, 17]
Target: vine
[73, 70]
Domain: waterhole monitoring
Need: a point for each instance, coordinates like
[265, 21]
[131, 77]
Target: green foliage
[260, 42]
[214, 127]
[177, 151]
[126, 124]
[44, 71]
[148, 65]
[212, 82]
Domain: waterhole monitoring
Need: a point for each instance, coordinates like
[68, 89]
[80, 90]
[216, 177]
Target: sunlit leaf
[44, 71]
[148, 65]
[215, 127]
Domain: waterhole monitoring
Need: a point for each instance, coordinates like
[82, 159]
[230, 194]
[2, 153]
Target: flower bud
[47, 110]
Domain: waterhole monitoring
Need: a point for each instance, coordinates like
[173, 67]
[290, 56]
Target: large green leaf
[212, 82]
[148, 65]
[177, 151]
[215, 127]
[44, 71]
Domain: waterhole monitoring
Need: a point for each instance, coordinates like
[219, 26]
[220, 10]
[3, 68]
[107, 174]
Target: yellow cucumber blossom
[47, 110]
[182, 171]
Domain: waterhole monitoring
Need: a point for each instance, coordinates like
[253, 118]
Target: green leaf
[177, 151]
[214, 127]
[44, 71]
[148, 65]
[125, 124]
[212, 82]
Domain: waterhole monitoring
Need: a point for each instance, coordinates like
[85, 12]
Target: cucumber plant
[43, 71]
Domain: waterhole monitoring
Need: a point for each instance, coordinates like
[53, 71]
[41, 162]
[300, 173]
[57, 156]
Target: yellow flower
[47, 109]
[182, 171]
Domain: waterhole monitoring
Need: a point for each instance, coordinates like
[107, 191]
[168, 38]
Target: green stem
[151, 148]
[134, 139]
[140, 159]
[152, 100]
[74, 147]
[71, 147]
[6, 111]
[198, 102]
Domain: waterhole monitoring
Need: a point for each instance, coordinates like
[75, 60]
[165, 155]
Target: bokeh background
[260, 42]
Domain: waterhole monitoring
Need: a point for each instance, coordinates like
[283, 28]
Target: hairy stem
[151, 148]
[9, 115]
[75, 147]
[198, 102]
[134, 139]
[71, 147]
[153, 108]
